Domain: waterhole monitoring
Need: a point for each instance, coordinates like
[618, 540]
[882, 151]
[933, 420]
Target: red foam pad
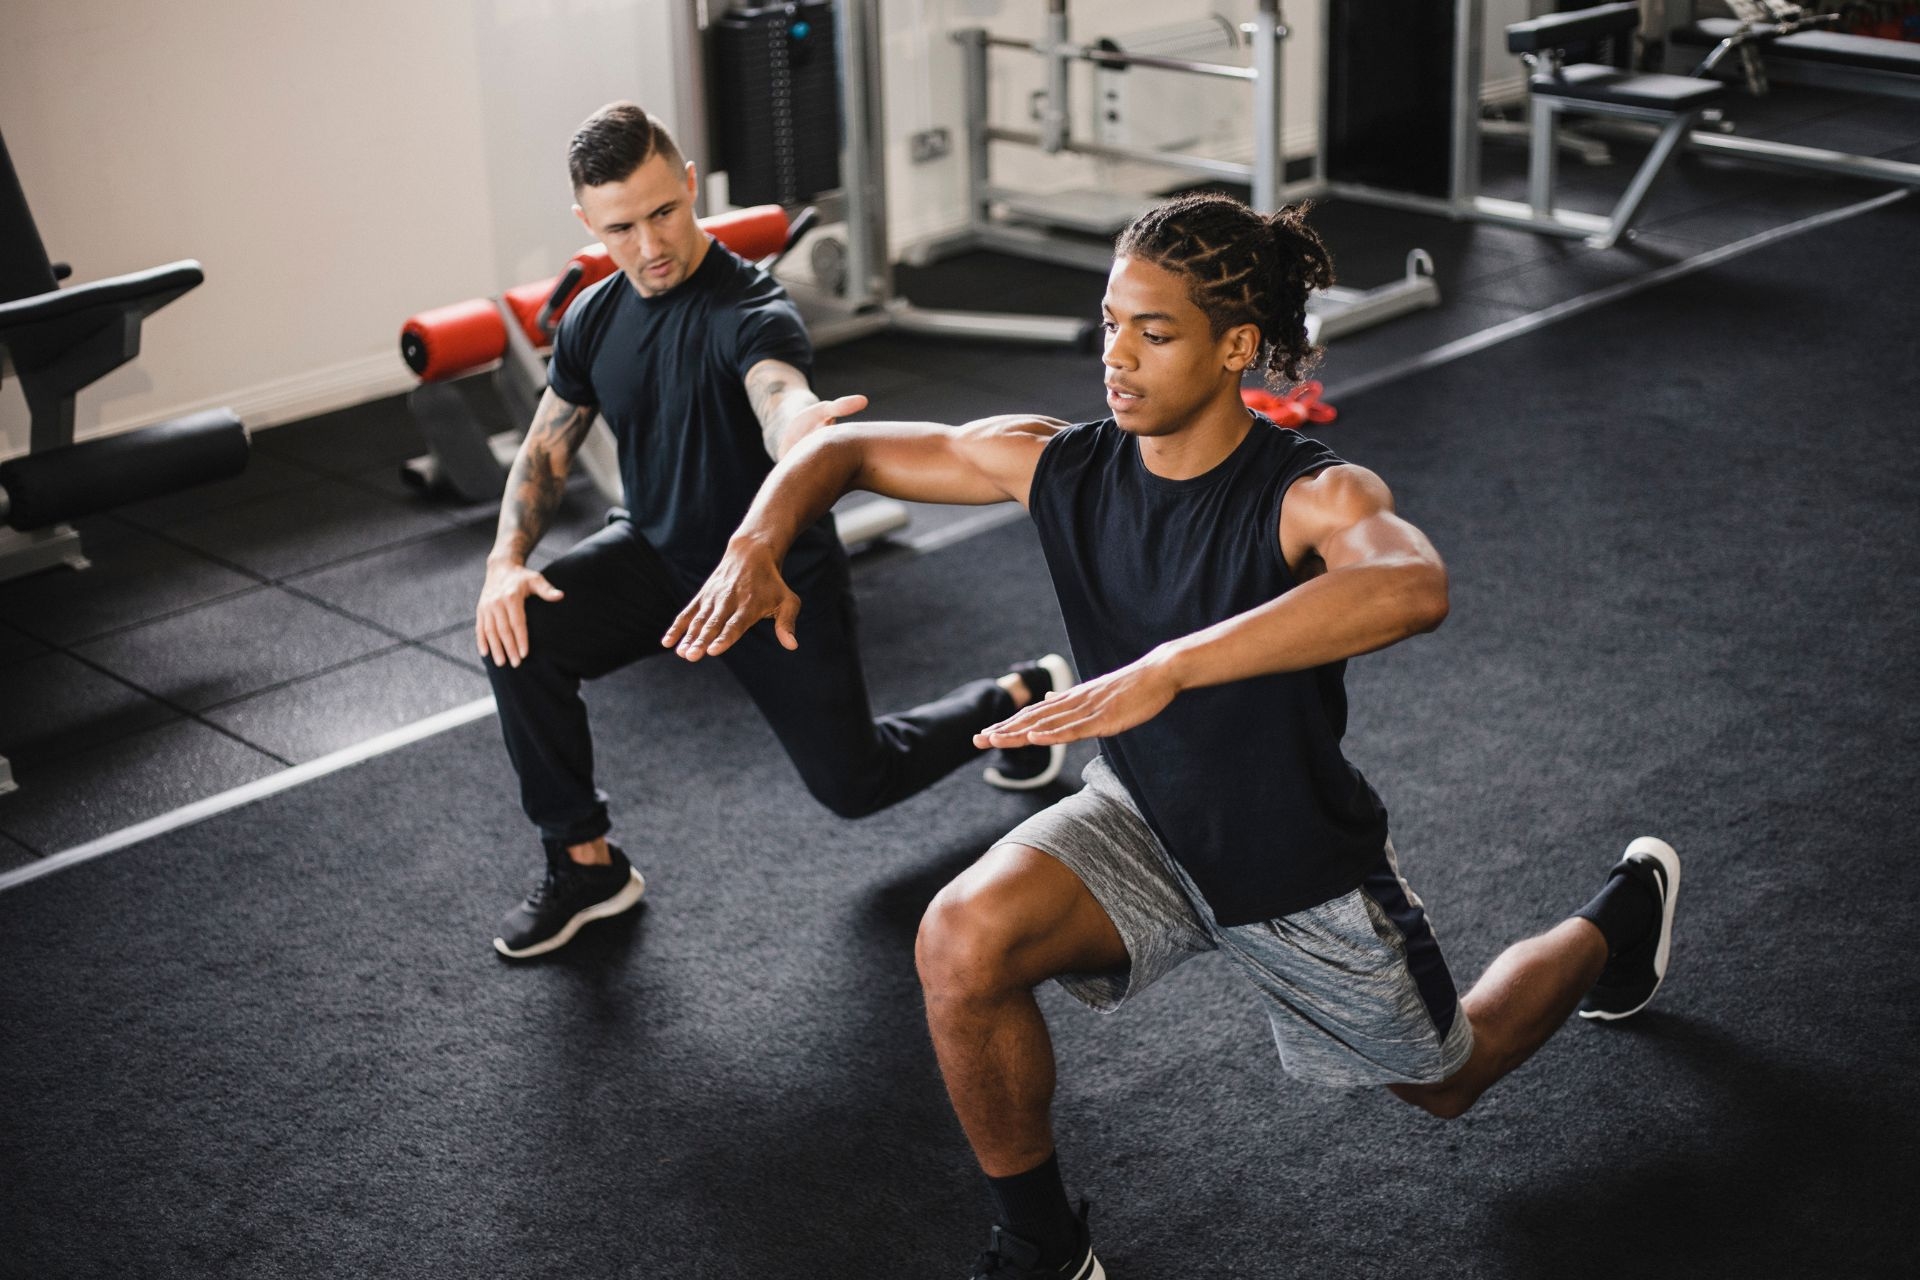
[448, 341]
[752, 233]
[525, 301]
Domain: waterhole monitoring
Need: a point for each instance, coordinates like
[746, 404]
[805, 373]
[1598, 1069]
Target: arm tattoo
[777, 391]
[539, 476]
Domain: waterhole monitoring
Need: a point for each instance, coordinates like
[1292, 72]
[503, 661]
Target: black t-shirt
[667, 373]
[1244, 783]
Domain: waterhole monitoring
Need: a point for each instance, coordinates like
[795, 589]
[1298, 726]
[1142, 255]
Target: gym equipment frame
[1025, 232]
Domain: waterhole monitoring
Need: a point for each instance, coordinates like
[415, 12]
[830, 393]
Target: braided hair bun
[1242, 267]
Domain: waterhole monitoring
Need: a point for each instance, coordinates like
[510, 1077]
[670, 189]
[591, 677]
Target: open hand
[745, 587]
[823, 413]
[1100, 708]
[500, 619]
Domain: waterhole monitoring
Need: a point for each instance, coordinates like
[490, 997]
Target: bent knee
[978, 937]
[1447, 1100]
[965, 946]
[840, 790]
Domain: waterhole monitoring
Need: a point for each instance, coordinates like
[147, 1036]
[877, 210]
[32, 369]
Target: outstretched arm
[1370, 579]
[990, 460]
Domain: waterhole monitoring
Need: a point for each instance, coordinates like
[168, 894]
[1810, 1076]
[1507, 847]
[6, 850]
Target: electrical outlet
[930, 144]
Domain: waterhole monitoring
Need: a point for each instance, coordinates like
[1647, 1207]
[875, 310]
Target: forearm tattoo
[538, 479]
[777, 393]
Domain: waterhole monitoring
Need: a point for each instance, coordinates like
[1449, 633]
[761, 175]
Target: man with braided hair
[1215, 573]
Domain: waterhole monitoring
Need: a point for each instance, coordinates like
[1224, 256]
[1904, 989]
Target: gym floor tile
[1800, 195]
[947, 380]
[309, 527]
[1549, 283]
[456, 643]
[844, 370]
[134, 578]
[55, 705]
[264, 477]
[92, 793]
[1030, 288]
[309, 718]
[1370, 246]
[17, 646]
[414, 590]
[1720, 225]
[232, 648]
[348, 440]
[1848, 135]
[384, 479]
[14, 854]
[1407, 336]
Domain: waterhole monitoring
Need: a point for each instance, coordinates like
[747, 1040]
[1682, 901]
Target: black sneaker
[1008, 1257]
[1630, 978]
[1030, 768]
[570, 895]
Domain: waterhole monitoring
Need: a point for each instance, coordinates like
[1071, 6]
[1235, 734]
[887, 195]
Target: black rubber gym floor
[1683, 532]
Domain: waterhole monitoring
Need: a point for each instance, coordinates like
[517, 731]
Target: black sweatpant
[620, 598]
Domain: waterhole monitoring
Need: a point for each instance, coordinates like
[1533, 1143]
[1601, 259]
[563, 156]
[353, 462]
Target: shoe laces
[548, 888]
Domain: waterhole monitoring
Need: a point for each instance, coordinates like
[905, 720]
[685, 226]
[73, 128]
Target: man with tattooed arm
[698, 362]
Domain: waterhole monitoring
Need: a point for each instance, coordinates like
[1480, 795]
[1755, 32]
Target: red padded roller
[752, 233]
[594, 264]
[525, 301]
[448, 341]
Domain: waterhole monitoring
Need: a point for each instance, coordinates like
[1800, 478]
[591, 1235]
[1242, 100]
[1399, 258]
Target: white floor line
[958, 531]
[966, 527]
[273, 784]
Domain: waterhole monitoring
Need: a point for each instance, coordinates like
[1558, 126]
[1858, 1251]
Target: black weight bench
[1823, 59]
[58, 341]
[1555, 89]
[1793, 53]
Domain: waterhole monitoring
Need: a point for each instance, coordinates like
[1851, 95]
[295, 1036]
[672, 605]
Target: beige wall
[335, 166]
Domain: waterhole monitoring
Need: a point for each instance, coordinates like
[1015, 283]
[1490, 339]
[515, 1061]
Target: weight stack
[776, 102]
[1390, 95]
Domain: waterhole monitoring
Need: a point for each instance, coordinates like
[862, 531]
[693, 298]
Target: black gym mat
[1683, 538]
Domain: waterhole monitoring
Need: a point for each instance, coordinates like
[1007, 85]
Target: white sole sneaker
[1062, 674]
[1651, 849]
[629, 894]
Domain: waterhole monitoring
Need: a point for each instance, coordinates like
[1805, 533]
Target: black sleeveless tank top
[1244, 783]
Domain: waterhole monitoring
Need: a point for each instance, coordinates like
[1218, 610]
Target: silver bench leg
[1650, 170]
[1543, 157]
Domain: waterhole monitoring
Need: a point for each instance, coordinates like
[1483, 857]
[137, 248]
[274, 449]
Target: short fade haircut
[614, 141]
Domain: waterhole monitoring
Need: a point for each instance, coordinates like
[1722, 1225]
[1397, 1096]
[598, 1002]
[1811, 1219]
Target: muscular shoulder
[1339, 490]
[1323, 502]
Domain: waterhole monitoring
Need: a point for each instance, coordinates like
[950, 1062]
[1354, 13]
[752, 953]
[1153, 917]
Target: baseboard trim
[269, 404]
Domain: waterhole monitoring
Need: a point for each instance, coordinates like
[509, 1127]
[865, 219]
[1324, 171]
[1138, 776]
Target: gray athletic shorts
[1356, 988]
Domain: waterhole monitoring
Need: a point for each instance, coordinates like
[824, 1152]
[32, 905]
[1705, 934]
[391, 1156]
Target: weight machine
[866, 303]
[1022, 223]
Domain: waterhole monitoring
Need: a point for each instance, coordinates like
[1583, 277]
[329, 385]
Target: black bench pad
[1902, 57]
[1558, 30]
[1592, 82]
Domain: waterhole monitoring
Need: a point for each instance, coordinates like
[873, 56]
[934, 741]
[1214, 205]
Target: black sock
[1033, 1205]
[1626, 909]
